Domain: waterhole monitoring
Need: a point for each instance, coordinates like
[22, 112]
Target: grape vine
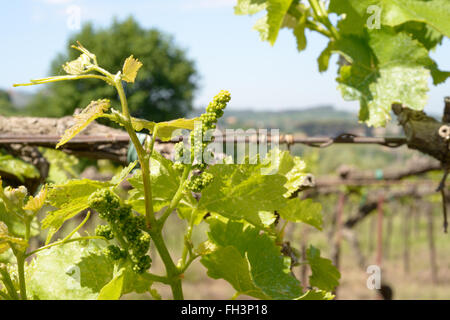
[241, 205]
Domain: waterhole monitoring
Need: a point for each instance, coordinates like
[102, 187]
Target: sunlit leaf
[35, 203]
[93, 111]
[166, 128]
[78, 66]
[6, 240]
[130, 69]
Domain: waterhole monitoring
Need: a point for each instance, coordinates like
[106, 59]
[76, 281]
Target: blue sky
[228, 53]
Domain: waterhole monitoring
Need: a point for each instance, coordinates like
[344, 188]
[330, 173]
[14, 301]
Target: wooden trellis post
[406, 242]
[379, 258]
[431, 245]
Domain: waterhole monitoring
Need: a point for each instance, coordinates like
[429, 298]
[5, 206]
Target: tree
[6, 106]
[163, 89]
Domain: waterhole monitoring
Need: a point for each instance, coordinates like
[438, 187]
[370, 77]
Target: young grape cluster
[124, 226]
[209, 120]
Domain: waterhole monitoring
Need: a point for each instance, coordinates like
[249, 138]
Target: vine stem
[187, 240]
[61, 242]
[143, 158]
[154, 228]
[322, 16]
[21, 270]
[171, 269]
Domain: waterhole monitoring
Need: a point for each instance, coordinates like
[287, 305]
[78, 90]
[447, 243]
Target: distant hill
[317, 121]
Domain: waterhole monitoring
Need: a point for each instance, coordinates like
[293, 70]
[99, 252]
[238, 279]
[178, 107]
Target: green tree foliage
[163, 89]
[6, 106]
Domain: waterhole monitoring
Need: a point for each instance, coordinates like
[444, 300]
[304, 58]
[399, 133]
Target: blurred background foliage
[164, 88]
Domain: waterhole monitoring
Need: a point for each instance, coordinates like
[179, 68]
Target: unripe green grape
[105, 202]
[104, 231]
[143, 264]
[113, 252]
[178, 166]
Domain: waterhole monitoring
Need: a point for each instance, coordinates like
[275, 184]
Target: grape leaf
[305, 211]
[76, 270]
[35, 203]
[251, 262]
[123, 174]
[424, 33]
[324, 276]
[292, 167]
[432, 12]
[15, 225]
[93, 111]
[386, 68]
[130, 69]
[18, 168]
[276, 11]
[62, 165]
[113, 289]
[6, 240]
[165, 129]
[78, 66]
[249, 7]
[69, 199]
[241, 191]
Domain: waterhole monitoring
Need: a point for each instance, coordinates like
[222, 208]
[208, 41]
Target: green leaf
[262, 27]
[165, 129]
[123, 174]
[251, 262]
[15, 225]
[276, 11]
[324, 59]
[291, 167]
[324, 276]
[18, 168]
[62, 165]
[6, 240]
[93, 111]
[296, 19]
[34, 204]
[73, 271]
[305, 211]
[78, 271]
[69, 199]
[424, 33]
[386, 68]
[113, 289]
[432, 12]
[249, 7]
[241, 191]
